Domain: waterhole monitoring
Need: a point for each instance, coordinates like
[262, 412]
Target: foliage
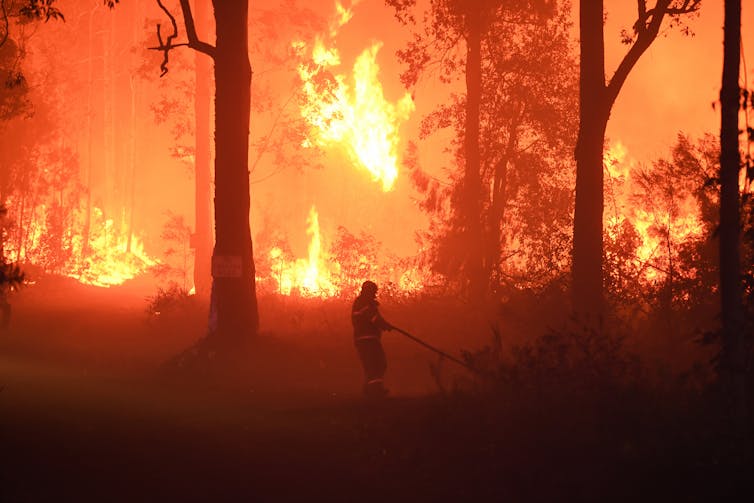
[174, 106]
[357, 256]
[574, 362]
[276, 142]
[45, 10]
[170, 301]
[176, 234]
[659, 246]
[41, 10]
[527, 120]
[45, 207]
[14, 100]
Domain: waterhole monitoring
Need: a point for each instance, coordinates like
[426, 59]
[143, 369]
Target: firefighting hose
[440, 352]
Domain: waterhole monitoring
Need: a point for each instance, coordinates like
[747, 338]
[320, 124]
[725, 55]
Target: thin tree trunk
[499, 201]
[107, 132]
[596, 100]
[733, 359]
[472, 184]
[20, 229]
[203, 156]
[131, 172]
[89, 139]
[234, 288]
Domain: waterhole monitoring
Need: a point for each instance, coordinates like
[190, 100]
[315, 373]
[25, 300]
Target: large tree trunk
[733, 359]
[594, 113]
[203, 157]
[234, 290]
[472, 184]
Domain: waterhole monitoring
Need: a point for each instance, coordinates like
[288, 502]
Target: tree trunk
[234, 290]
[499, 201]
[203, 157]
[733, 358]
[130, 175]
[594, 113]
[89, 139]
[472, 184]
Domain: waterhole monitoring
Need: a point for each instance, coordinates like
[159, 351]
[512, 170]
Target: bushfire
[351, 112]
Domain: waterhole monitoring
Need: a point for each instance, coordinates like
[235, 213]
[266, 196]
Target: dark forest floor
[86, 414]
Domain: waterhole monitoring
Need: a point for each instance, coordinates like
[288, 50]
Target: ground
[89, 412]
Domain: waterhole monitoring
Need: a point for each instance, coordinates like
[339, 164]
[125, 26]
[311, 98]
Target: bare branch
[166, 47]
[194, 43]
[647, 27]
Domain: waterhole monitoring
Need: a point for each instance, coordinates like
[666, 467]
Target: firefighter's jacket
[366, 318]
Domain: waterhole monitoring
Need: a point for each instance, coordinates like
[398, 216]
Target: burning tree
[659, 226]
[234, 319]
[513, 129]
[596, 101]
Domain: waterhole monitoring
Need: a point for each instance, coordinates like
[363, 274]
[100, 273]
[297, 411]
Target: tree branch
[166, 47]
[662, 8]
[193, 41]
[647, 27]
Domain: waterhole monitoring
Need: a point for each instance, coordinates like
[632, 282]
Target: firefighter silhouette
[368, 325]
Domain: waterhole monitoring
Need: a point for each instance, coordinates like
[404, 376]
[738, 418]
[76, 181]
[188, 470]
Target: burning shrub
[170, 301]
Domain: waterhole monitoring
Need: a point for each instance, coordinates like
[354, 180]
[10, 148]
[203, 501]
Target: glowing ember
[352, 112]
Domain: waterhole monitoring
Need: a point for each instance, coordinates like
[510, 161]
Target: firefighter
[368, 325]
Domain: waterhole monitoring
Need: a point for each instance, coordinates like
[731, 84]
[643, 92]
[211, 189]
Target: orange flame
[657, 228]
[109, 260]
[310, 277]
[352, 113]
[321, 275]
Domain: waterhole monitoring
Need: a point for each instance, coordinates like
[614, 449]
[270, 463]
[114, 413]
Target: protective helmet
[369, 287]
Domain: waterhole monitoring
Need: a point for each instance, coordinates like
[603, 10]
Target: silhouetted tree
[733, 360]
[233, 301]
[596, 101]
[510, 131]
[450, 23]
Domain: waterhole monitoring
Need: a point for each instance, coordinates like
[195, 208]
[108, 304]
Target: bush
[170, 301]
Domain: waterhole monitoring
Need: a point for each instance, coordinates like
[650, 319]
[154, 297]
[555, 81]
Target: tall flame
[321, 275]
[353, 113]
[310, 277]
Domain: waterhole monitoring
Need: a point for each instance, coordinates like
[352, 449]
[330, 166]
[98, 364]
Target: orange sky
[675, 83]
